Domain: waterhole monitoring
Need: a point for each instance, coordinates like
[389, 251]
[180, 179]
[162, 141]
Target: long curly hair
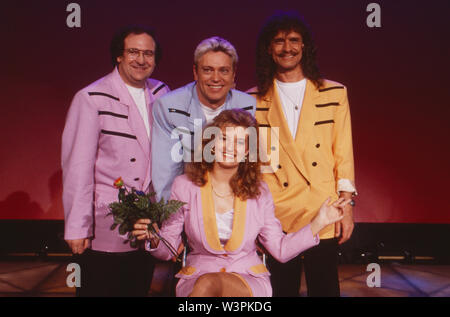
[245, 183]
[266, 67]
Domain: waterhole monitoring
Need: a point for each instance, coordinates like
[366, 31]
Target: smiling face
[286, 50]
[136, 68]
[231, 146]
[214, 74]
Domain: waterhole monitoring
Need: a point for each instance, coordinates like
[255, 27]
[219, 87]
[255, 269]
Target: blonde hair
[215, 44]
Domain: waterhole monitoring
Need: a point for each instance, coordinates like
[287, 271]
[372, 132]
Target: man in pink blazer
[106, 136]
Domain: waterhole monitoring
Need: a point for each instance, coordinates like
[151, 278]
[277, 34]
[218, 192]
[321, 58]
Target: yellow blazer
[310, 165]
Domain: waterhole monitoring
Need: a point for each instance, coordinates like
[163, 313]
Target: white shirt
[225, 224]
[210, 113]
[138, 95]
[291, 97]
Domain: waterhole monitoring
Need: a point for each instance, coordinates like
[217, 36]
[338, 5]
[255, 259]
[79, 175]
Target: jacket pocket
[258, 270]
[187, 273]
[331, 121]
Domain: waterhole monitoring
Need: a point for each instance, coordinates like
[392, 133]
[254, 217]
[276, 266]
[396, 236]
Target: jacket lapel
[149, 99]
[275, 117]
[196, 120]
[195, 109]
[209, 217]
[137, 125]
[134, 117]
[239, 223]
[210, 223]
[307, 118]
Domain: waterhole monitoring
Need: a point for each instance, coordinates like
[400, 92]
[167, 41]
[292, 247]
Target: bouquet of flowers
[136, 205]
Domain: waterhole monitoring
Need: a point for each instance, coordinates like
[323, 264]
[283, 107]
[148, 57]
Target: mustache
[284, 54]
[293, 53]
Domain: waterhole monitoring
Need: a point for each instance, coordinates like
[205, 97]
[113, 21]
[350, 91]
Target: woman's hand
[141, 231]
[328, 214]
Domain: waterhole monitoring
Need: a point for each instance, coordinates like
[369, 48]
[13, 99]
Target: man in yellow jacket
[312, 125]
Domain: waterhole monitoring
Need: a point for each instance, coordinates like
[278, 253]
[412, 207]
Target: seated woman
[227, 208]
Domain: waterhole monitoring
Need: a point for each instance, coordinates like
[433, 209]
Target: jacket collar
[195, 108]
[210, 223]
[275, 116]
[134, 117]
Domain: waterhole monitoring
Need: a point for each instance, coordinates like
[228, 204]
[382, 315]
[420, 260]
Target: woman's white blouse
[225, 225]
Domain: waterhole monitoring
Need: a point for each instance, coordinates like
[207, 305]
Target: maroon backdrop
[396, 77]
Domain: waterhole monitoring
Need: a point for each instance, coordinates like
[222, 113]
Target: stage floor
[39, 278]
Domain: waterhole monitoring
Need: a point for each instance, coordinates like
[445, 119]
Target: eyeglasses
[134, 53]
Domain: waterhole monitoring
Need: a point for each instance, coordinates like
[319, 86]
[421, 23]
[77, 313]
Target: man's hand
[328, 214]
[78, 245]
[344, 228]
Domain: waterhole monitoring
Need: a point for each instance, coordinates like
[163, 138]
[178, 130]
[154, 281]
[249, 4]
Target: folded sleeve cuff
[346, 185]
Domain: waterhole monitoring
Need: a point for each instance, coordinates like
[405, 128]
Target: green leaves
[136, 205]
[171, 207]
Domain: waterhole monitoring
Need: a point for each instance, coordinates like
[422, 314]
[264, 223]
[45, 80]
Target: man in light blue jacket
[180, 115]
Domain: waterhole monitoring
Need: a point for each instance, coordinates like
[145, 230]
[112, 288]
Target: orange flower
[118, 183]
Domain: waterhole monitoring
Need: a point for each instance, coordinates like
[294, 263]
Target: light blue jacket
[173, 130]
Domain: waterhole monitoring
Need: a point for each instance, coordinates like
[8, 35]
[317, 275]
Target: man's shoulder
[105, 85]
[100, 86]
[252, 91]
[242, 96]
[330, 85]
[178, 95]
[156, 86]
[240, 99]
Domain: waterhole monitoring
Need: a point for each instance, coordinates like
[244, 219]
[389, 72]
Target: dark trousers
[121, 274]
[320, 264]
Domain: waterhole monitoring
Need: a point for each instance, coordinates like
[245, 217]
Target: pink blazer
[253, 219]
[104, 138]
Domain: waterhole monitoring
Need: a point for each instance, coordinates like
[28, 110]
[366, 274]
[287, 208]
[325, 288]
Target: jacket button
[273, 148]
[279, 166]
[223, 269]
[317, 145]
[136, 179]
[314, 164]
[308, 183]
[285, 184]
[133, 160]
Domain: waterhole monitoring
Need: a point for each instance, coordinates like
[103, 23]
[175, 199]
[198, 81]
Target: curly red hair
[245, 183]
